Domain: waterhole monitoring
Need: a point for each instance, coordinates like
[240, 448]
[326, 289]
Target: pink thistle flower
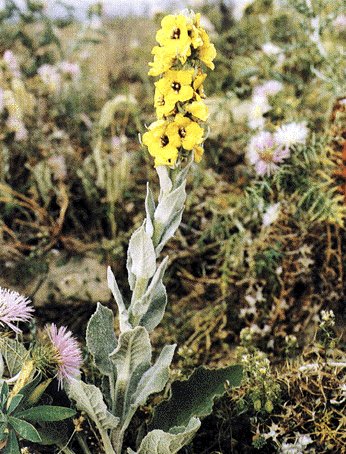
[14, 308]
[265, 153]
[68, 354]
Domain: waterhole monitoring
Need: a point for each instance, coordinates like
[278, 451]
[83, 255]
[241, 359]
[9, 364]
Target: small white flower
[50, 77]
[340, 22]
[239, 7]
[291, 134]
[271, 214]
[258, 107]
[268, 88]
[304, 440]
[271, 49]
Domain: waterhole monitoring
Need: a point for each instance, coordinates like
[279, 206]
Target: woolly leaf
[131, 359]
[150, 210]
[155, 378]
[142, 258]
[195, 396]
[12, 445]
[100, 338]
[14, 354]
[123, 315]
[150, 308]
[170, 204]
[160, 442]
[89, 398]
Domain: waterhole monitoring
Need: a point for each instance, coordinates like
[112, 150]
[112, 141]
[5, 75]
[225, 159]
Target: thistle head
[58, 354]
[14, 308]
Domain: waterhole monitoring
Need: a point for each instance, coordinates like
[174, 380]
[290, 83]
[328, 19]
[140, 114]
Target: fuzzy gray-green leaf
[14, 354]
[123, 315]
[155, 378]
[160, 442]
[142, 258]
[89, 398]
[100, 338]
[195, 396]
[150, 308]
[150, 210]
[131, 358]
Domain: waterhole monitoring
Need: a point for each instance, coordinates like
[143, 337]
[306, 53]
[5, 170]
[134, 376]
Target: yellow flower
[174, 37]
[162, 142]
[163, 60]
[198, 153]
[193, 32]
[163, 106]
[189, 131]
[207, 52]
[198, 84]
[175, 86]
[198, 109]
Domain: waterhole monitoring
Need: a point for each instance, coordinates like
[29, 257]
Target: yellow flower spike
[198, 109]
[179, 90]
[162, 142]
[174, 36]
[189, 131]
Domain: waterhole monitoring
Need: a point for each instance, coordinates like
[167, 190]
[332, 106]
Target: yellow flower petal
[162, 141]
[163, 61]
[190, 132]
[207, 52]
[198, 153]
[174, 35]
[198, 109]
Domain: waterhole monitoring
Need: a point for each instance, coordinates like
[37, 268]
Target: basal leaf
[160, 442]
[195, 396]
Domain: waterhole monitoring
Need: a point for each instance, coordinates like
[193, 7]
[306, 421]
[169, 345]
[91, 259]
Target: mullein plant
[125, 363]
[26, 373]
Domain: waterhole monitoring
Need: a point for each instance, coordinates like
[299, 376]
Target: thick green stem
[118, 440]
[107, 445]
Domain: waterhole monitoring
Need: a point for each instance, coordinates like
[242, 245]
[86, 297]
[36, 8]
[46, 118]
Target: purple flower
[68, 354]
[265, 153]
[14, 308]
